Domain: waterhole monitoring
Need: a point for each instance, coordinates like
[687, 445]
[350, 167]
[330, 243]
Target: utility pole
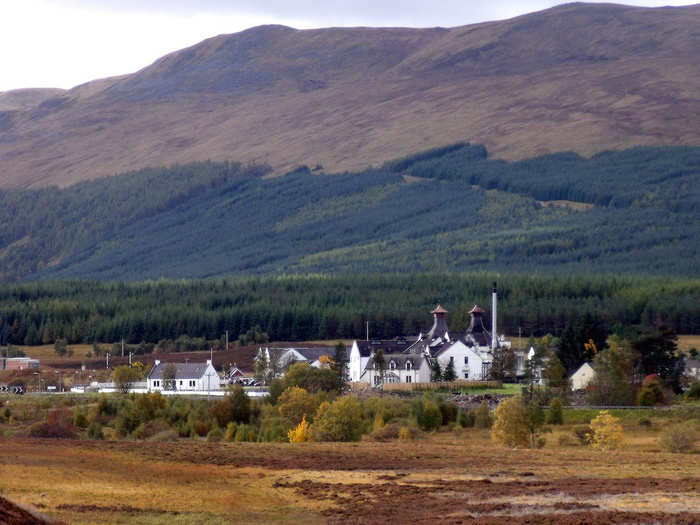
[107, 360]
[122, 347]
[367, 328]
[130, 359]
[520, 338]
[227, 340]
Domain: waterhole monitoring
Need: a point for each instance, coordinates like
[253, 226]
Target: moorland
[581, 77]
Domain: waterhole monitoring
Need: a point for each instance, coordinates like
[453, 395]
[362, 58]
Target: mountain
[579, 77]
[446, 209]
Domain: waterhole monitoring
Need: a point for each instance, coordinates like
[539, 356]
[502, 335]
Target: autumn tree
[169, 376]
[124, 378]
[296, 404]
[607, 433]
[518, 423]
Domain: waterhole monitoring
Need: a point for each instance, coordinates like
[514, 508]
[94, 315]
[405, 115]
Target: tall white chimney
[494, 331]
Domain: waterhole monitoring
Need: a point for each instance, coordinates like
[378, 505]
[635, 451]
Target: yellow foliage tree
[301, 433]
[326, 361]
[607, 432]
[296, 403]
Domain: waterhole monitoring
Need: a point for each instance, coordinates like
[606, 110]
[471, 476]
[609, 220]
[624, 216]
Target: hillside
[576, 77]
[447, 209]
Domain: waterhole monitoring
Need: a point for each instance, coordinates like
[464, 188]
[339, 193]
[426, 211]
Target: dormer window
[409, 365]
[392, 365]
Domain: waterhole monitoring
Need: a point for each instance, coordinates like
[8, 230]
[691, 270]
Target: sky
[64, 43]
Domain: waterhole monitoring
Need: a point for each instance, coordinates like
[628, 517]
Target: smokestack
[494, 332]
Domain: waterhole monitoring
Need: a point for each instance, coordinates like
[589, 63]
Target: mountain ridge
[581, 77]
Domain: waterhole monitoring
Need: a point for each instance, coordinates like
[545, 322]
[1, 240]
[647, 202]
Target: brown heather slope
[577, 77]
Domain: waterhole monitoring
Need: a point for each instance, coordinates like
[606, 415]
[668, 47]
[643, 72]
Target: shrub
[555, 415]
[652, 392]
[7, 412]
[339, 421]
[378, 422]
[80, 419]
[230, 433]
[245, 433]
[583, 433]
[679, 438]
[301, 433]
[405, 433]
[607, 432]
[59, 424]
[448, 411]
[150, 429]
[694, 391]
[644, 422]
[94, 431]
[432, 418]
[465, 418]
[274, 429]
[235, 406]
[395, 430]
[482, 416]
[215, 435]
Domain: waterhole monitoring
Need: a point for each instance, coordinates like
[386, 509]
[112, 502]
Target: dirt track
[481, 501]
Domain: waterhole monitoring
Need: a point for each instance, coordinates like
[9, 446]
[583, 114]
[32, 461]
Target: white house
[582, 377]
[285, 357]
[692, 369]
[409, 359]
[192, 377]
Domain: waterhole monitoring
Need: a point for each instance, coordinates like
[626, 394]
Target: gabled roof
[391, 346]
[182, 370]
[399, 359]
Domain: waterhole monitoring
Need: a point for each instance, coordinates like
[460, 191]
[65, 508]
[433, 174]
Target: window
[452, 360]
[466, 359]
[408, 379]
[409, 365]
[156, 382]
[181, 382]
[377, 380]
[466, 375]
[392, 365]
[192, 383]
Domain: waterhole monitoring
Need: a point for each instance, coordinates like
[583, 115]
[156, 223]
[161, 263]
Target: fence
[458, 384]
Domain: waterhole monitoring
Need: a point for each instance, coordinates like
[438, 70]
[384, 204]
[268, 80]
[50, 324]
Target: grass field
[447, 477]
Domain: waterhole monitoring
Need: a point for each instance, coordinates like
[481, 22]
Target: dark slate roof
[312, 354]
[391, 346]
[183, 370]
[399, 359]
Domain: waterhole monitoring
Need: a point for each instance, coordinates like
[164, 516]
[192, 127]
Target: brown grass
[461, 473]
[686, 342]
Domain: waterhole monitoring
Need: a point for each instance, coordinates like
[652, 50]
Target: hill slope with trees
[447, 209]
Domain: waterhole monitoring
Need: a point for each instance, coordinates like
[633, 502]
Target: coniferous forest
[449, 209]
[292, 308]
[309, 255]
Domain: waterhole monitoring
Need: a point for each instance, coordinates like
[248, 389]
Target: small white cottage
[582, 377]
[194, 377]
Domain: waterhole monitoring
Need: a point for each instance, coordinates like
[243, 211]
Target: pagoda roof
[439, 310]
[477, 310]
